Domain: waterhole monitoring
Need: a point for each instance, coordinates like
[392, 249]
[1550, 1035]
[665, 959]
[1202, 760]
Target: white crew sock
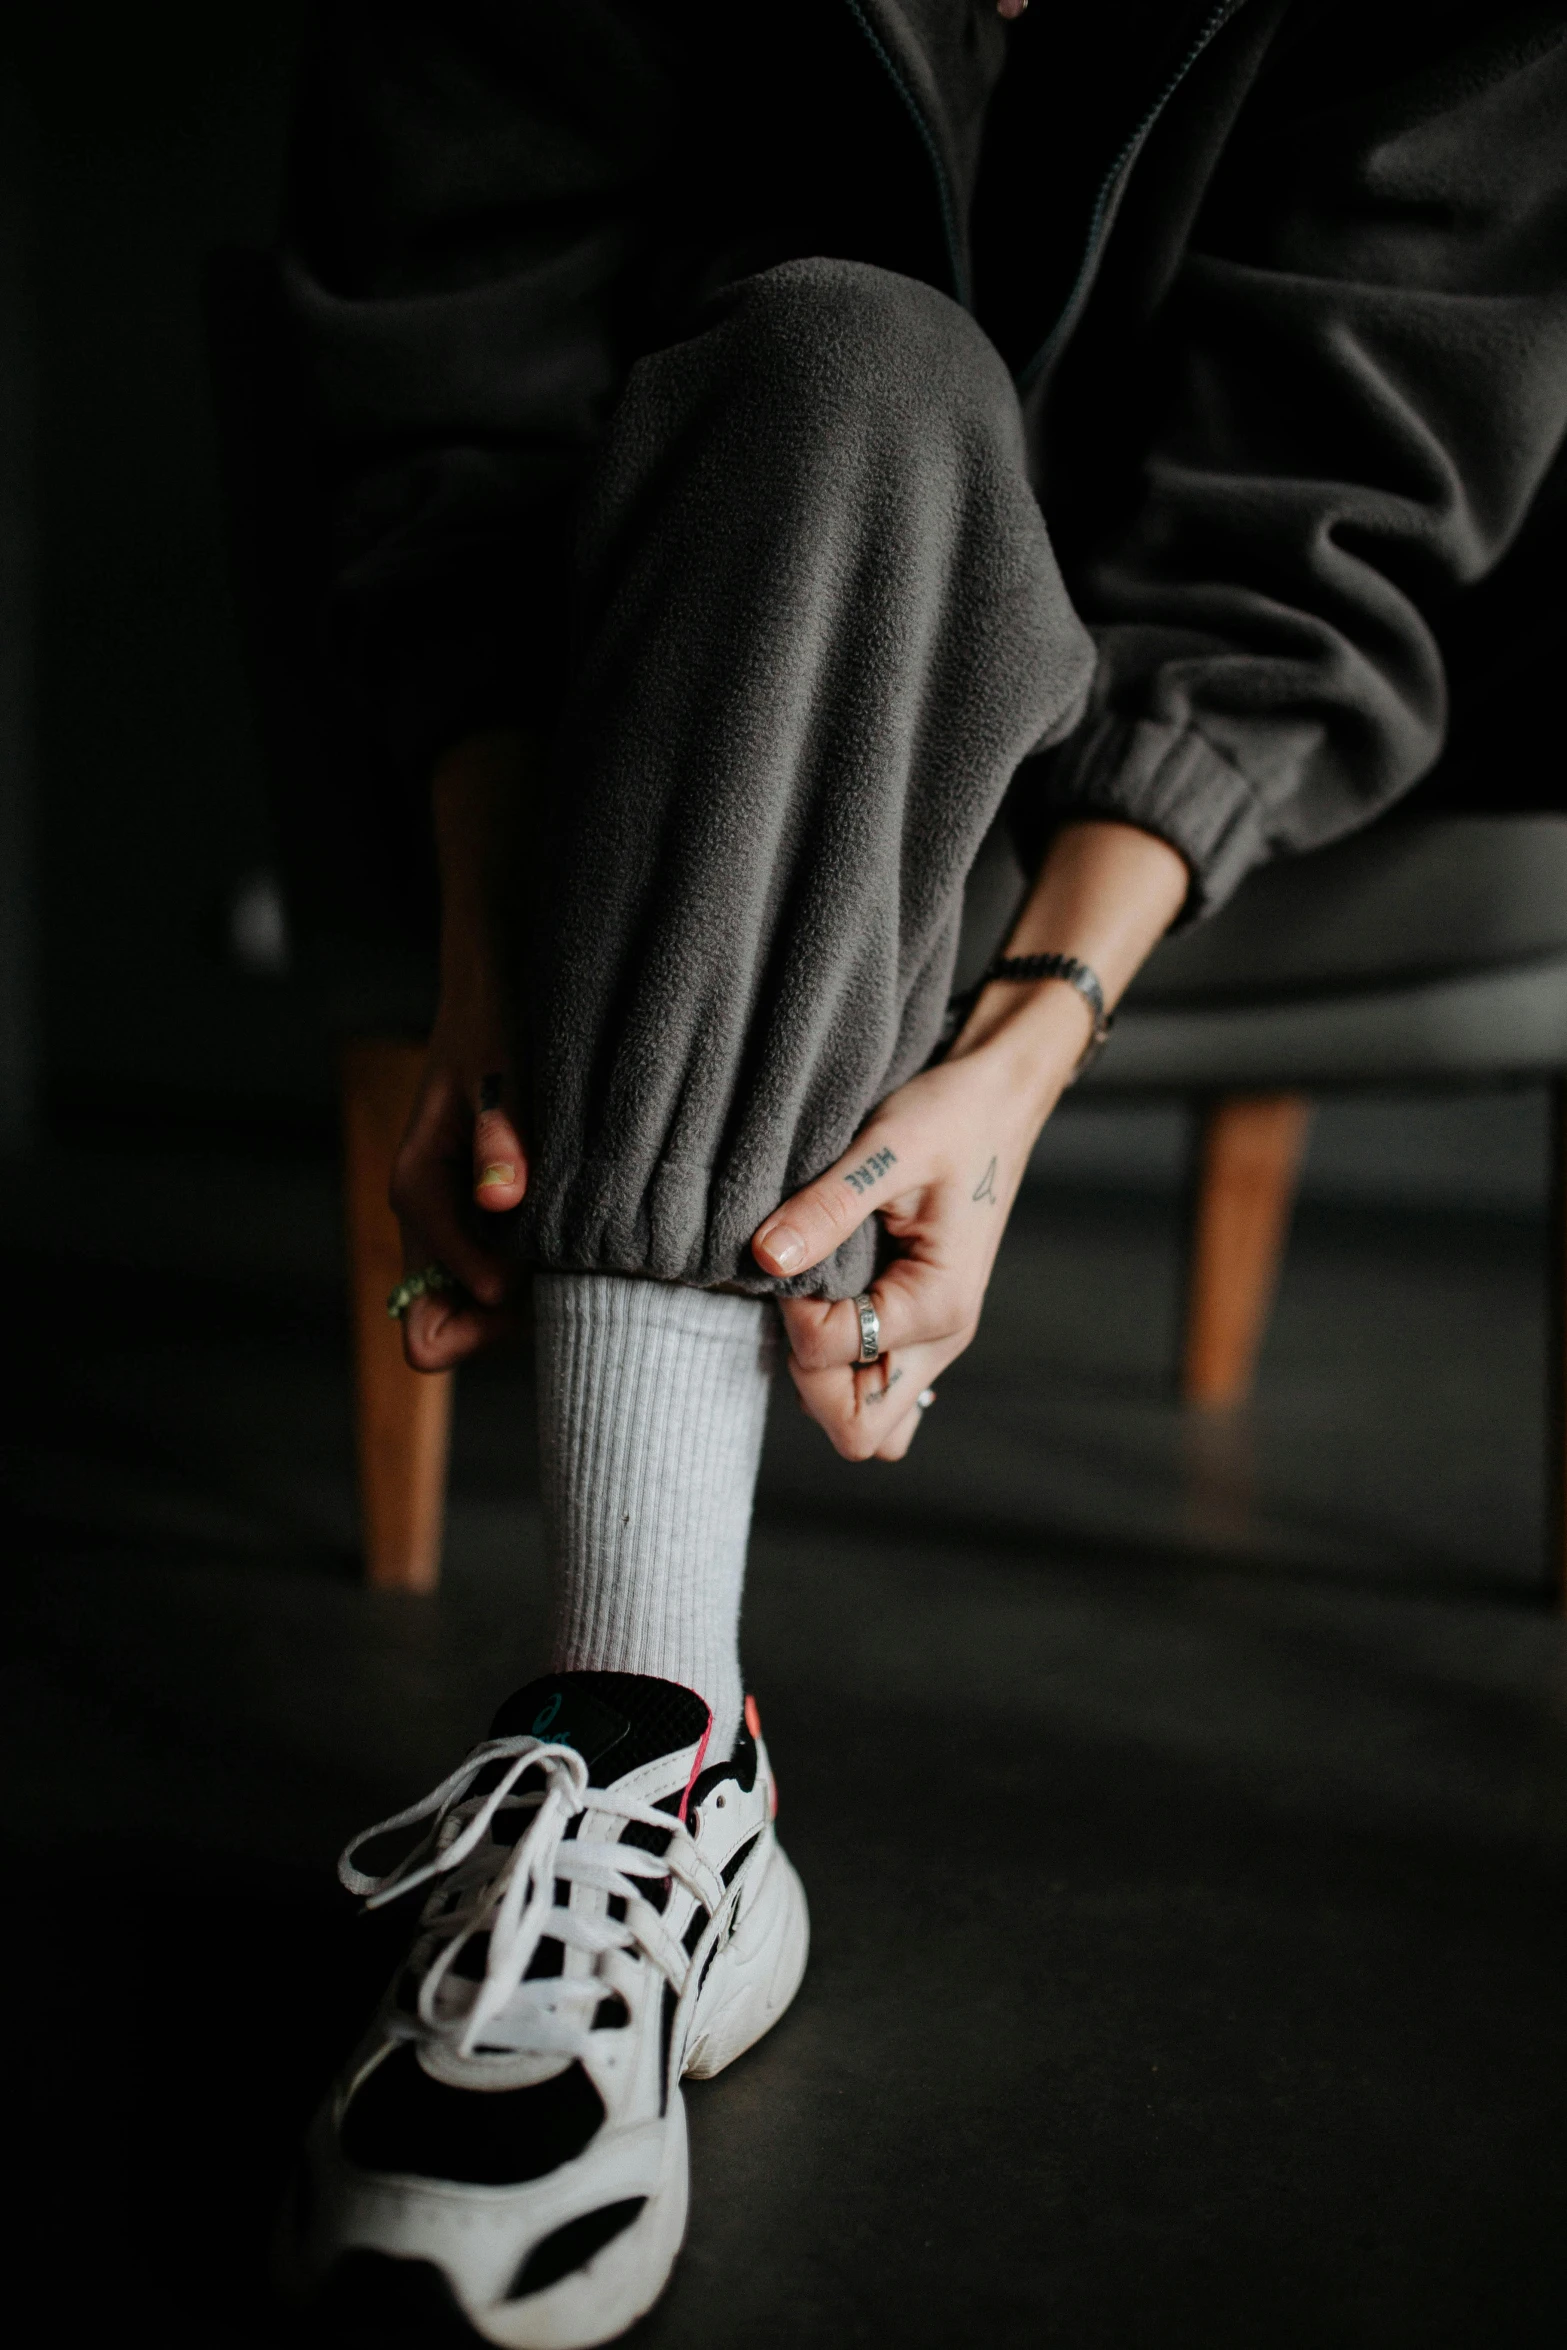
[652, 1400]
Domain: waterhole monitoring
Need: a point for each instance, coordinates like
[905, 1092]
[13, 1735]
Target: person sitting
[761, 451]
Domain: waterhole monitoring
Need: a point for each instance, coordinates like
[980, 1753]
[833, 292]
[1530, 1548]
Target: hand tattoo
[986, 1186]
[877, 1393]
[875, 1167]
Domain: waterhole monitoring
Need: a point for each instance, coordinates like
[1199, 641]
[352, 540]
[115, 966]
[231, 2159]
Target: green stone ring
[414, 1285]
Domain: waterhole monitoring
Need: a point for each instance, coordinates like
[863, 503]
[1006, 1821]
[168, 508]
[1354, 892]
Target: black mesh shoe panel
[572, 2246]
[616, 1721]
[471, 1960]
[403, 2121]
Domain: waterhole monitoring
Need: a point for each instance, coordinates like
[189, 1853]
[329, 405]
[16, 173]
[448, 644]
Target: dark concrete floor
[1183, 1811]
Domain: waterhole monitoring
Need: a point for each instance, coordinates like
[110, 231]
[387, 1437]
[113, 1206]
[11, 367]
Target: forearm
[1105, 893]
[463, 1148]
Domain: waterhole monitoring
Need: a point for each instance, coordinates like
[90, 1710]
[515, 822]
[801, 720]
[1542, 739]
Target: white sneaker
[604, 1915]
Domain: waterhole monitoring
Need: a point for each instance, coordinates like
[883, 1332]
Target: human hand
[941, 1160]
[940, 1163]
[461, 1161]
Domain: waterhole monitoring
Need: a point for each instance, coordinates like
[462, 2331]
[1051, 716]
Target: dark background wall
[17, 985]
[140, 140]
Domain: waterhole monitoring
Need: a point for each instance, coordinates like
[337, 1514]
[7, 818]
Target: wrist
[1105, 894]
[1028, 1038]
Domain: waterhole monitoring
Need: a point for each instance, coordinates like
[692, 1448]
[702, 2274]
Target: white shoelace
[507, 1891]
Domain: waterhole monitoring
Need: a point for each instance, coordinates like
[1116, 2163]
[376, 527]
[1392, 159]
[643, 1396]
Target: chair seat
[1508, 1023]
[1415, 900]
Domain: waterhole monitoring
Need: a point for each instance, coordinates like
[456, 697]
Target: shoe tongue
[616, 1721]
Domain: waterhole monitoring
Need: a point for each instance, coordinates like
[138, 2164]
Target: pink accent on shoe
[696, 1768]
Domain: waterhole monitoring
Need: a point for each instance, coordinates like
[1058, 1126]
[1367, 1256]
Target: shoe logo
[546, 1715]
[567, 1715]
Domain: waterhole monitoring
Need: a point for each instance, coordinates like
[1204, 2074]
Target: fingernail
[784, 1245]
[499, 1171]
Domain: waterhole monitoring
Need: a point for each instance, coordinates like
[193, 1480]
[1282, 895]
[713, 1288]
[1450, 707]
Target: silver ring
[925, 1398]
[412, 1285]
[870, 1328]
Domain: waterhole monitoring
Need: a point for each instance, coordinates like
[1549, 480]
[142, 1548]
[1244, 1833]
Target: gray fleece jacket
[1282, 286]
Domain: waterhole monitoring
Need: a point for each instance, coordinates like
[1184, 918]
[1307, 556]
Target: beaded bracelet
[1077, 974]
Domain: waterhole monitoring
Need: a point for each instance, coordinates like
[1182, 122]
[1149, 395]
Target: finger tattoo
[877, 1394]
[874, 1168]
[986, 1186]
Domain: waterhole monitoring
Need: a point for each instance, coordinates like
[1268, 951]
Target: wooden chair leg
[402, 1417]
[1249, 1160]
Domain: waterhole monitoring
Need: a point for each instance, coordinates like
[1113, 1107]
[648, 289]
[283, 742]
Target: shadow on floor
[1183, 1814]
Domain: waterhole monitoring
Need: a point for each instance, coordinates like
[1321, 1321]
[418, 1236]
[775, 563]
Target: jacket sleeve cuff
[1169, 780]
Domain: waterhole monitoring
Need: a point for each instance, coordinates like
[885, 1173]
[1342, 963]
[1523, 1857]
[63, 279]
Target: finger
[897, 1444]
[431, 1176]
[500, 1165]
[818, 1219]
[827, 1397]
[442, 1327]
[917, 1300]
[429, 1203]
[859, 1411]
[440, 1331]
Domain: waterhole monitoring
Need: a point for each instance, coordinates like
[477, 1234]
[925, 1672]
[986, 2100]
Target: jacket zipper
[1105, 201]
[956, 264]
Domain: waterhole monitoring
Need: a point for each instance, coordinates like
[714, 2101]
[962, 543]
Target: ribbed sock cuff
[652, 1403]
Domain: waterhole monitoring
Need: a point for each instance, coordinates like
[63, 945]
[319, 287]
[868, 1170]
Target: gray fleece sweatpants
[818, 624]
